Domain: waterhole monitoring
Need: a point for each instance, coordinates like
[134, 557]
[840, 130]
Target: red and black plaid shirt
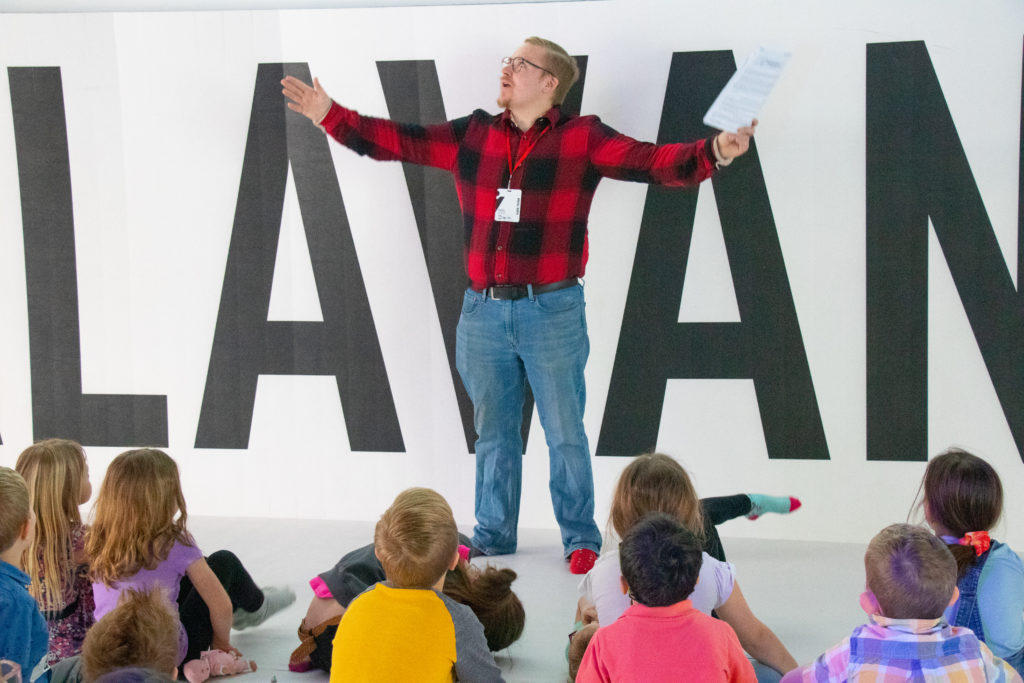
[558, 179]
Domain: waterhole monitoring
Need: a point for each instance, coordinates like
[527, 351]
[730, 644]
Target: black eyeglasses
[517, 64]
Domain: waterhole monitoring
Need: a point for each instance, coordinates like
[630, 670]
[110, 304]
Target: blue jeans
[499, 345]
[764, 673]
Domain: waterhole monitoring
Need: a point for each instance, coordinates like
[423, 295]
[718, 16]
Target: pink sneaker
[582, 560]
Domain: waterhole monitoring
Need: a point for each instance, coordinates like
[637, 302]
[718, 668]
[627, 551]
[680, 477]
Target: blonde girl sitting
[57, 475]
[139, 541]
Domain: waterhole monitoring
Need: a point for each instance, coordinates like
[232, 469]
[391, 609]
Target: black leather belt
[512, 292]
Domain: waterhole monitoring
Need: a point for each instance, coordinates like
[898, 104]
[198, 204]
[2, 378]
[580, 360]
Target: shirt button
[500, 247]
[500, 276]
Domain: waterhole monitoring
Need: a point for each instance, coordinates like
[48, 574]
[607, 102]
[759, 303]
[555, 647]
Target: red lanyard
[522, 158]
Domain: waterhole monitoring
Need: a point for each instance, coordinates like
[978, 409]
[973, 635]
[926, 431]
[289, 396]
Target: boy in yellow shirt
[406, 629]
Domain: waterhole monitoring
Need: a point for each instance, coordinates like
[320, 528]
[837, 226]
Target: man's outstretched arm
[621, 157]
[380, 139]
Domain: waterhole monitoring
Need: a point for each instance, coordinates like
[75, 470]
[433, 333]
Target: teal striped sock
[760, 504]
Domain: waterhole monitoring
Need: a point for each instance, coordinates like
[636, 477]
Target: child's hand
[225, 646]
[586, 611]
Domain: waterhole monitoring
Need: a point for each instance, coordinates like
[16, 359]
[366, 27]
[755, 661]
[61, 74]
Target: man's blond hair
[416, 538]
[14, 507]
[560, 63]
[910, 571]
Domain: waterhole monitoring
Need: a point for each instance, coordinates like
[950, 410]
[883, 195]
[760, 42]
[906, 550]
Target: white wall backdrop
[158, 106]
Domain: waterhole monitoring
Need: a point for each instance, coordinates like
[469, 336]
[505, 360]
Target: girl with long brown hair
[139, 540]
[655, 482]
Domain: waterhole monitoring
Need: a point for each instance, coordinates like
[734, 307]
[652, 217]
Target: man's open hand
[312, 102]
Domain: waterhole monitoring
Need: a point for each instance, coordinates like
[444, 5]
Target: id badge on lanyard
[509, 203]
[509, 200]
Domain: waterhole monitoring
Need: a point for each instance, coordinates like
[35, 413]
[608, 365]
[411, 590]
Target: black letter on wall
[245, 343]
[766, 346]
[413, 95]
[916, 170]
[59, 408]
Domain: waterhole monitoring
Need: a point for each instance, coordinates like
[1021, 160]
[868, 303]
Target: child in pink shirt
[661, 637]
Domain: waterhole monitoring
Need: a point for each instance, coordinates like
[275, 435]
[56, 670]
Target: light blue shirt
[1000, 600]
[23, 635]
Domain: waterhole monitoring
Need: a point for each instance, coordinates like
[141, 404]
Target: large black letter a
[766, 346]
[245, 343]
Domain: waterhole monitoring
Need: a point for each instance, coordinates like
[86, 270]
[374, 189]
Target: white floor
[806, 592]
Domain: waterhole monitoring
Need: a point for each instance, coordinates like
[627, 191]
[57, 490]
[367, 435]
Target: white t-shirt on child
[601, 586]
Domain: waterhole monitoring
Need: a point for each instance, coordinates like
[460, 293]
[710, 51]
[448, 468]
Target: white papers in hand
[741, 99]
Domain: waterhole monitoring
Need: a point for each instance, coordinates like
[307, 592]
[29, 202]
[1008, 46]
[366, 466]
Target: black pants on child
[716, 511]
[192, 610]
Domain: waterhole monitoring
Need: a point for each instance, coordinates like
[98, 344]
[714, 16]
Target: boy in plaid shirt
[911, 579]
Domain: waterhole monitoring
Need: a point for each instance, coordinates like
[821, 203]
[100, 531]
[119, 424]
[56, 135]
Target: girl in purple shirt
[139, 541]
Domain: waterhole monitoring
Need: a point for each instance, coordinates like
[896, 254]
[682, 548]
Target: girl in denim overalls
[962, 499]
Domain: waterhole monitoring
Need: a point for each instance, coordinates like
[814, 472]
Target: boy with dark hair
[405, 628]
[24, 637]
[661, 637]
[911, 579]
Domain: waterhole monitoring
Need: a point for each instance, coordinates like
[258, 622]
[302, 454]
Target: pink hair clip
[978, 539]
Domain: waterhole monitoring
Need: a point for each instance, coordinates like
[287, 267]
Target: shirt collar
[638, 610]
[551, 116]
[10, 570]
[916, 626]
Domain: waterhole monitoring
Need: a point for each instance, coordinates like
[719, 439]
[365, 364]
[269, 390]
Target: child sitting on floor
[655, 482]
[661, 637]
[911, 579]
[962, 499]
[23, 635]
[142, 631]
[139, 540]
[57, 475]
[485, 590]
[405, 628]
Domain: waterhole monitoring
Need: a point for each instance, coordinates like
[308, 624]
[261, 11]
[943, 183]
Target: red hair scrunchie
[978, 539]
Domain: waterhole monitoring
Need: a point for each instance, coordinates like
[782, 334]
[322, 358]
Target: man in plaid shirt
[525, 180]
[911, 579]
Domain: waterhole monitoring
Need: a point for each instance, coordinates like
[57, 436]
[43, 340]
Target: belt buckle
[506, 292]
